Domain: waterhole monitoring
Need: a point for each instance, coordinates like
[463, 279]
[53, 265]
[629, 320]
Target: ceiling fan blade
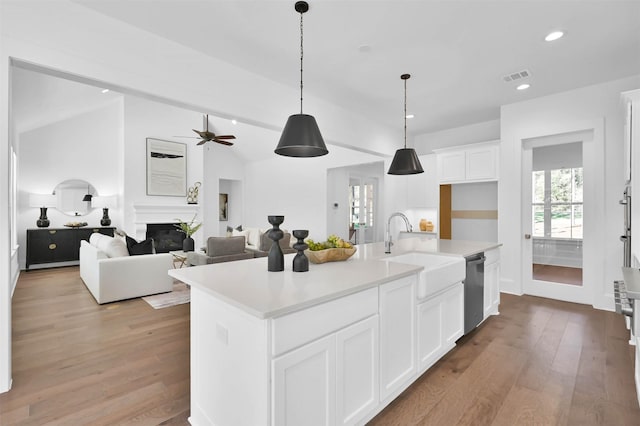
[223, 142]
[203, 135]
[201, 142]
[225, 137]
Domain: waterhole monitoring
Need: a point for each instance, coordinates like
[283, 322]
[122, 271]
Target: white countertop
[632, 282]
[248, 285]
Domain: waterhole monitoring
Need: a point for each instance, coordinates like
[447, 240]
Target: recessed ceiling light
[234, 122]
[554, 36]
[410, 115]
[364, 48]
[524, 86]
[105, 90]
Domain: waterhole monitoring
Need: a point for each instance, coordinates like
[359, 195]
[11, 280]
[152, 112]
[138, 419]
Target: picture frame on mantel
[224, 207]
[166, 168]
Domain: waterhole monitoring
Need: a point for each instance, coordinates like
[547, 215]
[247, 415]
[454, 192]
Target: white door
[363, 200]
[553, 183]
[304, 385]
[357, 369]
[397, 335]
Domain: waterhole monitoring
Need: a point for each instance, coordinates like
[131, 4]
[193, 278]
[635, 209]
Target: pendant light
[406, 161]
[87, 196]
[301, 136]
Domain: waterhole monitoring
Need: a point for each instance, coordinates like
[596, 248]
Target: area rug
[180, 294]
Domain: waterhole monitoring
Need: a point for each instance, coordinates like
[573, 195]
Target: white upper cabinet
[471, 163]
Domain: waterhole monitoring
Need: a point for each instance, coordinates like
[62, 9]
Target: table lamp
[106, 202]
[43, 201]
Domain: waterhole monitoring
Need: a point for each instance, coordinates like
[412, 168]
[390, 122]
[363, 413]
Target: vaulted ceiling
[456, 51]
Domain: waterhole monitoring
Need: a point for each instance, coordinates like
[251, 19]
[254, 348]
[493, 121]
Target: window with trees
[557, 203]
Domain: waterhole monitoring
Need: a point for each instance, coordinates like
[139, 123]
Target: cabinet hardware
[52, 246]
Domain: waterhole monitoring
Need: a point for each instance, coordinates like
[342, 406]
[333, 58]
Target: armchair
[220, 249]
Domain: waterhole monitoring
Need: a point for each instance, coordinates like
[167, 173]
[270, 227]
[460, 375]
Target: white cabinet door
[491, 288]
[357, 384]
[451, 166]
[481, 163]
[429, 332]
[452, 315]
[304, 385]
[397, 335]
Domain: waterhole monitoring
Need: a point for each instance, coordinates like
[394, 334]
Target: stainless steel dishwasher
[474, 292]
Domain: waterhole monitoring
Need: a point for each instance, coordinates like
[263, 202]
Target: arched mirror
[74, 197]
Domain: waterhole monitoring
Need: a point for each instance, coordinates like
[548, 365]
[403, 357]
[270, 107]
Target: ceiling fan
[208, 136]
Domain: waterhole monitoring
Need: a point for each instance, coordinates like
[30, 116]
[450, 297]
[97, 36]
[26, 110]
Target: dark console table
[50, 245]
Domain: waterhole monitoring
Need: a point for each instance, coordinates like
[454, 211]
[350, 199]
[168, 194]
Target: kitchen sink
[439, 271]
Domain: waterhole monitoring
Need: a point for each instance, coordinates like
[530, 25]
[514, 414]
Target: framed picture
[166, 168]
[224, 207]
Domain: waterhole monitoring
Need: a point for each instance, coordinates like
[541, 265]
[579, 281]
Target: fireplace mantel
[154, 213]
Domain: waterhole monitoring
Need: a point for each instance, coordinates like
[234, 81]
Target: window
[557, 203]
[361, 202]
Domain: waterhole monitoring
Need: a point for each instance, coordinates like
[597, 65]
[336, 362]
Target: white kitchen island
[334, 345]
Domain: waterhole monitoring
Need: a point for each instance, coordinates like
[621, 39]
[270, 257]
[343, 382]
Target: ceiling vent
[519, 75]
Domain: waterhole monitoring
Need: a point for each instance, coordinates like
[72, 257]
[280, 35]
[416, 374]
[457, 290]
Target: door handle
[527, 236]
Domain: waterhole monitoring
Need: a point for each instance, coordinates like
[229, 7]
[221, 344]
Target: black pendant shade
[301, 138]
[405, 162]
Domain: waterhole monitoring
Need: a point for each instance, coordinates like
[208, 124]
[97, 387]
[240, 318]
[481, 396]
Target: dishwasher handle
[478, 260]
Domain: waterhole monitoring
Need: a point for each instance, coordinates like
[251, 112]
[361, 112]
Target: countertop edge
[414, 269]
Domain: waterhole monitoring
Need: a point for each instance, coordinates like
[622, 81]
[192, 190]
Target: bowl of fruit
[332, 250]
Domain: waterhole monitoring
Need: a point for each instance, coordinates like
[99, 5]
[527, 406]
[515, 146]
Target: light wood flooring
[541, 362]
[79, 363]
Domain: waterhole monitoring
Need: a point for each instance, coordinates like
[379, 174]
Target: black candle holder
[300, 261]
[275, 257]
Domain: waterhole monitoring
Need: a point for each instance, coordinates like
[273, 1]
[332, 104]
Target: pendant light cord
[405, 113]
[301, 57]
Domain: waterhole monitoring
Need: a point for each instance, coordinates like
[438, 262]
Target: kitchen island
[334, 345]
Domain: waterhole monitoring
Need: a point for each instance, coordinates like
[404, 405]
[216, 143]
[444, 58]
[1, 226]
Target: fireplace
[166, 236]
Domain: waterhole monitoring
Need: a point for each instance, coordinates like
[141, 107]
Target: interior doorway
[363, 200]
[553, 213]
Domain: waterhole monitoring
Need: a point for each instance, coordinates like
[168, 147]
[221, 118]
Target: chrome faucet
[388, 240]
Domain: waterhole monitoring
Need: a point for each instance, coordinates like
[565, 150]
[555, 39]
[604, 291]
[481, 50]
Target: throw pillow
[237, 233]
[136, 248]
[111, 247]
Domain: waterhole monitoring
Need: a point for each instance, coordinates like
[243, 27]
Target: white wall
[474, 133]
[84, 147]
[295, 188]
[595, 107]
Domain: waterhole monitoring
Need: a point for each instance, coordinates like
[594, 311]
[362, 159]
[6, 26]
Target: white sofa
[111, 274]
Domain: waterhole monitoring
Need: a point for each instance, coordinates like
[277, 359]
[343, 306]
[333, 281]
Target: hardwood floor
[78, 363]
[558, 274]
[541, 362]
